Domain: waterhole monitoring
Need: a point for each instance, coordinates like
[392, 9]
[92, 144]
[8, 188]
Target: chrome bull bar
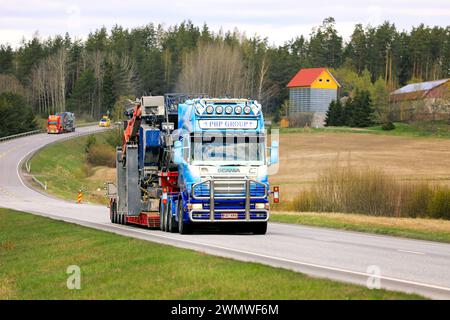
[213, 196]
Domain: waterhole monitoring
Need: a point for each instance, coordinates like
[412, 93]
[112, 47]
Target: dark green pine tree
[82, 98]
[362, 110]
[335, 114]
[340, 117]
[108, 92]
[17, 116]
[348, 113]
[330, 119]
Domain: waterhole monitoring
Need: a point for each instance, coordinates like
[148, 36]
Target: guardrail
[29, 133]
[23, 134]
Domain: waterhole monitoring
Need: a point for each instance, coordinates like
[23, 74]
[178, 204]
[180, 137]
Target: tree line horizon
[89, 77]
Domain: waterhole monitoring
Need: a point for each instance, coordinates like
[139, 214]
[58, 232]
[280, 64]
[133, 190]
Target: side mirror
[274, 153]
[177, 153]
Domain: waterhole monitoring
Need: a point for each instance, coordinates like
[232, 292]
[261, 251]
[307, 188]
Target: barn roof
[420, 86]
[305, 77]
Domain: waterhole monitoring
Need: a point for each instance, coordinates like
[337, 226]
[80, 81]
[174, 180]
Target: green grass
[440, 129]
[35, 253]
[339, 221]
[63, 166]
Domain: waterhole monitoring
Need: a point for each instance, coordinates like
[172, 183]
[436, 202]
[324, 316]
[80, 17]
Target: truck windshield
[228, 148]
[53, 122]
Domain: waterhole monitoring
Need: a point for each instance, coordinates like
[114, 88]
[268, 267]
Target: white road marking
[426, 285]
[413, 252]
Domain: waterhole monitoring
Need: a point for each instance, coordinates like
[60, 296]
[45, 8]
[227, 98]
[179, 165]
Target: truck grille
[229, 188]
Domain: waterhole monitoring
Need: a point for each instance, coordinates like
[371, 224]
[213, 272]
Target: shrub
[301, 119]
[388, 126]
[91, 140]
[114, 137]
[373, 192]
[439, 205]
[307, 200]
[101, 155]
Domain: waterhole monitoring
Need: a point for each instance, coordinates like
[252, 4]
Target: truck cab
[222, 163]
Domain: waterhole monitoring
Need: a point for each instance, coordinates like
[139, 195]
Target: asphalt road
[400, 264]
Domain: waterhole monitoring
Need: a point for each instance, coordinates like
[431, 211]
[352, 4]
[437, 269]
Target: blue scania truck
[190, 162]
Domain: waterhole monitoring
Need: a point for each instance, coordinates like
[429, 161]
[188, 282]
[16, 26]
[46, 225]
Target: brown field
[304, 155]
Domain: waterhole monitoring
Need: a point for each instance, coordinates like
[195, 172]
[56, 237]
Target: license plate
[229, 215]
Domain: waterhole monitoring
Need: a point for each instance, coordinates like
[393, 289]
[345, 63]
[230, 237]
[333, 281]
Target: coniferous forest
[88, 77]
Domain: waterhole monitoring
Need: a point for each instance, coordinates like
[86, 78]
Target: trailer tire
[183, 228]
[112, 210]
[259, 228]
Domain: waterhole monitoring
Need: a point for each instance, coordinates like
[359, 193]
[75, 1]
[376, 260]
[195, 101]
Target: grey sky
[278, 20]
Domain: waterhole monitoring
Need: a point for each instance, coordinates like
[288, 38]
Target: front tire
[259, 228]
[171, 223]
[183, 227]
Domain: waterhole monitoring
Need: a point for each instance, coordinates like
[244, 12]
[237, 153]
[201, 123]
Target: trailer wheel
[112, 210]
[259, 228]
[183, 228]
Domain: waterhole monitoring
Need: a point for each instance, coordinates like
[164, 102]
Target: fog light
[197, 206]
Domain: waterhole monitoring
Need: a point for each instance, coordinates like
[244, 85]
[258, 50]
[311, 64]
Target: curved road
[400, 264]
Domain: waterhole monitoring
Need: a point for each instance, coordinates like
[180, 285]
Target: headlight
[260, 205]
[197, 206]
[247, 110]
[209, 109]
[229, 110]
[219, 110]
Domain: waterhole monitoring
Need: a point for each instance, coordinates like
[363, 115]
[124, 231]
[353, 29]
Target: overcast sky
[278, 20]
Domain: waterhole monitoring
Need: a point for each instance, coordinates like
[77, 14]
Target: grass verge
[35, 253]
[440, 129]
[64, 168]
[416, 228]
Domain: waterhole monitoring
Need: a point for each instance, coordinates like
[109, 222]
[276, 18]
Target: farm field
[304, 155]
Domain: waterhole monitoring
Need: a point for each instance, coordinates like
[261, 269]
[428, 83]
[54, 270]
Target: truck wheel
[259, 228]
[172, 224]
[183, 227]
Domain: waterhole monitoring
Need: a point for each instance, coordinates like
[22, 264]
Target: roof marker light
[209, 109]
[247, 110]
[219, 110]
[229, 110]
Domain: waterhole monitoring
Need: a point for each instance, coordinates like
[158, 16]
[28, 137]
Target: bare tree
[216, 69]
